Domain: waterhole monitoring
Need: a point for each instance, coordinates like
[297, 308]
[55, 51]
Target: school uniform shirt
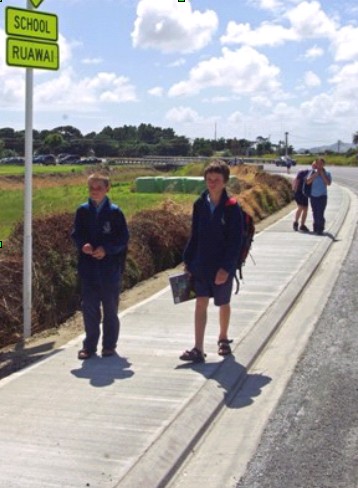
[216, 237]
[319, 188]
[104, 226]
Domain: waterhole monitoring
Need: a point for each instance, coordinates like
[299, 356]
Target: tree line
[132, 141]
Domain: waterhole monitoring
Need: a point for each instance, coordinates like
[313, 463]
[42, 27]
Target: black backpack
[246, 243]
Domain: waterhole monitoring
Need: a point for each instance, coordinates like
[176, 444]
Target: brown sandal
[224, 347]
[84, 354]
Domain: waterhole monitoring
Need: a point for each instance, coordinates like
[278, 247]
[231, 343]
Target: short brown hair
[99, 177]
[220, 167]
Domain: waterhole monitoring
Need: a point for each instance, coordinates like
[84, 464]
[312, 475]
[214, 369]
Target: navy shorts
[220, 293]
[301, 199]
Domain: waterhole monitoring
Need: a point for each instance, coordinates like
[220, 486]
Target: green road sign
[26, 23]
[32, 54]
[36, 3]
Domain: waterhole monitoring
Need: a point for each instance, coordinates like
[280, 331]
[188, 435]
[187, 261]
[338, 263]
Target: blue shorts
[220, 293]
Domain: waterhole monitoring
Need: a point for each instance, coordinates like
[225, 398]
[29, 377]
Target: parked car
[285, 161]
[45, 159]
[68, 158]
[90, 160]
[13, 160]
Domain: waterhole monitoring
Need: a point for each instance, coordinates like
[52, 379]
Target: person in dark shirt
[101, 237]
[211, 256]
[301, 200]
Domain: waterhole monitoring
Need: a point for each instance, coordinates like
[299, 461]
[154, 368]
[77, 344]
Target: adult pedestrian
[101, 236]
[319, 179]
[211, 256]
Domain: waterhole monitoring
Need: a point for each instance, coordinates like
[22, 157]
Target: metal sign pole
[27, 251]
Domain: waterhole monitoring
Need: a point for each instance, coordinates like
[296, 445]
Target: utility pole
[286, 144]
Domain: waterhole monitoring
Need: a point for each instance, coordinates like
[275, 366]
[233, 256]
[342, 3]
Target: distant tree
[202, 147]
[355, 138]
[54, 142]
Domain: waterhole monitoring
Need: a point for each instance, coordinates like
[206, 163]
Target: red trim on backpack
[230, 201]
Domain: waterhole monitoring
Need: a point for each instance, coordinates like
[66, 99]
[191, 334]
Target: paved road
[312, 440]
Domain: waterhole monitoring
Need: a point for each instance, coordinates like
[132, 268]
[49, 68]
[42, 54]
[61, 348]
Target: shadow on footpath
[104, 371]
[23, 355]
[246, 386]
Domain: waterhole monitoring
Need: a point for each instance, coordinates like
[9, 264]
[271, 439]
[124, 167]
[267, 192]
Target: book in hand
[182, 287]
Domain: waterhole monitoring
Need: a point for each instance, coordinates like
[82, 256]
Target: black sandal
[224, 347]
[195, 356]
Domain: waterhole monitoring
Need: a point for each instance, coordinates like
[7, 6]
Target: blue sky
[249, 68]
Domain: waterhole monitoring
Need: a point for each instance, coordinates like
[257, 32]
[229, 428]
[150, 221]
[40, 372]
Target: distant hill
[340, 146]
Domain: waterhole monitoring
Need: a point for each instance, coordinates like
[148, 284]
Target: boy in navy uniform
[211, 256]
[101, 236]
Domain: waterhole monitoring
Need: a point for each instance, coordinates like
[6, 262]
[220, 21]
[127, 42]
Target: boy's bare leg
[304, 215]
[201, 307]
[224, 318]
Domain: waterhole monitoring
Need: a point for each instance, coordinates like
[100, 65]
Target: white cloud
[345, 44]
[80, 95]
[308, 20]
[268, 4]
[314, 52]
[156, 91]
[92, 61]
[163, 25]
[265, 35]
[182, 115]
[244, 72]
[178, 62]
[311, 79]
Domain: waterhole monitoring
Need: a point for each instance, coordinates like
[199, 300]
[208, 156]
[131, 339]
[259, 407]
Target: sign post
[30, 47]
[27, 266]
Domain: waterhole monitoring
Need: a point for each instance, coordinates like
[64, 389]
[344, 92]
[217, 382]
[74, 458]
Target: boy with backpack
[301, 200]
[211, 256]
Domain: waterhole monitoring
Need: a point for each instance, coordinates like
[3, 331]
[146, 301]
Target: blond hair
[99, 177]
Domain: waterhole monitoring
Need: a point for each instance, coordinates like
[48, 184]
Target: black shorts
[301, 200]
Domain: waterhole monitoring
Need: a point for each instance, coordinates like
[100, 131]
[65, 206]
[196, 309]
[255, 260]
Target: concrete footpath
[128, 421]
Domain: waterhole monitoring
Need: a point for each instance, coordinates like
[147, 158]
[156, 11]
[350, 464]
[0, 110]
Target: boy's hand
[87, 249]
[221, 277]
[99, 253]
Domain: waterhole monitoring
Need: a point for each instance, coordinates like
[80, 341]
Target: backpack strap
[231, 202]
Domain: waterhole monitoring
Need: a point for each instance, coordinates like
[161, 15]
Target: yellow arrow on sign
[36, 3]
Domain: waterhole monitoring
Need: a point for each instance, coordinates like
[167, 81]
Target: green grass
[8, 170]
[67, 198]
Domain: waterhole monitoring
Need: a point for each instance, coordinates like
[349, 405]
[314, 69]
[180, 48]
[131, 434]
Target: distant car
[13, 160]
[69, 159]
[285, 161]
[45, 159]
[90, 160]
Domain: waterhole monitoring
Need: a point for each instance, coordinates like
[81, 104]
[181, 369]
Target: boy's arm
[120, 236]
[78, 234]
